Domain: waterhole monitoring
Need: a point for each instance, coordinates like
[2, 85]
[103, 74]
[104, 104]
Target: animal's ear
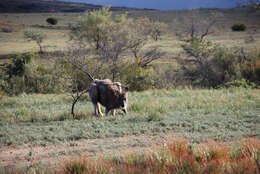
[126, 89]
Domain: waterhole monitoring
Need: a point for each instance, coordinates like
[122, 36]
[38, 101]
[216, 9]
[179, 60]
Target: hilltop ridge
[44, 6]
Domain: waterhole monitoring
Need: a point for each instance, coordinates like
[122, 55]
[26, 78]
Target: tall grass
[177, 157]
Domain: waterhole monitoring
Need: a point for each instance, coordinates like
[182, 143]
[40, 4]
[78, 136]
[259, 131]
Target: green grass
[196, 114]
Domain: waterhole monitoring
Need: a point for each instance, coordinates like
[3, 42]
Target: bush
[239, 27]
[210, 65]
[25, 76]
[137, 78]
[239, 83]
[52, 21]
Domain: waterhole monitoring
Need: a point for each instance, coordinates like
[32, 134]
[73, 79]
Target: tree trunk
[73, 106]
[41, 51]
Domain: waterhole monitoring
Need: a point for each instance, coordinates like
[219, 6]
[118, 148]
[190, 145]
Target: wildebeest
[109, 94]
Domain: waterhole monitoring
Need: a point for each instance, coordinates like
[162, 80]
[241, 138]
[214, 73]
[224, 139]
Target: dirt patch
[54, 155]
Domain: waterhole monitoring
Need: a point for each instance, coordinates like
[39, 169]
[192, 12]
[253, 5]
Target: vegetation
[33, 35]
[239, 26]
[210, 65]
[177, 157]
[24, 75]
[223, 114]
[52, 21]
[144, 54]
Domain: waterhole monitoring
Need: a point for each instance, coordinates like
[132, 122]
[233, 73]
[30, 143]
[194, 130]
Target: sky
[166, 4]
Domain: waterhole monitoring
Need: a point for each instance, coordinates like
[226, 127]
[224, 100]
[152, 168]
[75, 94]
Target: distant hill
[43, 6]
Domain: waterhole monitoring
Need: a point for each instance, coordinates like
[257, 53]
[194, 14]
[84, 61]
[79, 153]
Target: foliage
[111, 39]
[177, 156]
[52, 21]
[24, 75]
[156, 29]
[239, 83]
[239, 26]
[91, 27]
[137, 78]
[37, 36]
[210, 65]
[18, 64]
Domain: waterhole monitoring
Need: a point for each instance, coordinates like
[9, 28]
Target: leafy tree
[37, 36]
[92, 27]
[111, 39]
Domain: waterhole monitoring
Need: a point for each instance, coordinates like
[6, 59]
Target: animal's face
[123, 102]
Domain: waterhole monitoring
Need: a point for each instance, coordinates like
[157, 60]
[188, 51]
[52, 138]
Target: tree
[91, 27]
[156, 29]
[37, 36]
[111, 39]
[196, 27]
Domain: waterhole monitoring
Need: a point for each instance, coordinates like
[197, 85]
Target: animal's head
[123, 101]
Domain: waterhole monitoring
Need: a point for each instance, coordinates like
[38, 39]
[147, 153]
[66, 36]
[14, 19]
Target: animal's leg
[95, 108]
[107, 111]
[99, 110]
[113, 112]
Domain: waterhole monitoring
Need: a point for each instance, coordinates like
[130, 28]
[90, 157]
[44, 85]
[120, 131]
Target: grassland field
[33, 121]
[37, 120]
[178, 22]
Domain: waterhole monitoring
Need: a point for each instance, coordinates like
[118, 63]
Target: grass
[178, 22]
[224, 115]
[177, 157]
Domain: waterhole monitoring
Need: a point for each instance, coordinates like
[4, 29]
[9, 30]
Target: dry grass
[178, 22]
[178, 157]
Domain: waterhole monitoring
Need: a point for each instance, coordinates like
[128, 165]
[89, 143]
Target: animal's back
[94, 90]
[105, 92]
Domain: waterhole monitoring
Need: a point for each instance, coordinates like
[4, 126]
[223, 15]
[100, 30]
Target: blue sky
[166, 4]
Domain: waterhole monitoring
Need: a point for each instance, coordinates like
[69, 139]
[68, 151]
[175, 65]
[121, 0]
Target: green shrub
[211, 65]
[239, 26]
[52, 21]
[239, 83]
[24, 76]
[138, 78]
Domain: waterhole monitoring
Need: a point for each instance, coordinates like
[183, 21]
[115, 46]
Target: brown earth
[56, 155]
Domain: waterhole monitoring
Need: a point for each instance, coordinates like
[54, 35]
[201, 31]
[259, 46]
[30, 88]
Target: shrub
[210, 65]
[24, 76]
[239, 26]
[52, 21]
[138, 78]
[239, 83]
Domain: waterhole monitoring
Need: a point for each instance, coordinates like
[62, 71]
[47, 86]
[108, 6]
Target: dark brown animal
[109, 94]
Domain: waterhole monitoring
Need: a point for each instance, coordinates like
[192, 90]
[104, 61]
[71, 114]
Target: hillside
[44, 6]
